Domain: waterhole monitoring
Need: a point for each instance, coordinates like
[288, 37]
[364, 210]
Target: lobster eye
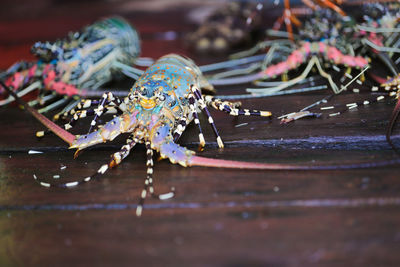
[143, 91]
[161, 97]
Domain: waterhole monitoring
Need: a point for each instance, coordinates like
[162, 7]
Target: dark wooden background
[218, 217]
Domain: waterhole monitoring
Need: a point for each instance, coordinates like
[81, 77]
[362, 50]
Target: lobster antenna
[233, 164]
[60, 132]
[210, 162]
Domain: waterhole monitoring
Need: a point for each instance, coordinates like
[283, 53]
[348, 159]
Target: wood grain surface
[218, 217]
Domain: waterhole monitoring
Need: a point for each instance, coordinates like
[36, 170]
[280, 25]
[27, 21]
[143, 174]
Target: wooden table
[218, 216]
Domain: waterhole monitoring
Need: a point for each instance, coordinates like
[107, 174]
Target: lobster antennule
[60, 132]
[233, 164]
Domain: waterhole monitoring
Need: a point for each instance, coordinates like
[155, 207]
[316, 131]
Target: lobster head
[152, 93]
[47, 51]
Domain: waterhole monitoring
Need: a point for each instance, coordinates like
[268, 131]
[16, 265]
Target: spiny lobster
[156, 111]
[288, 17]
[85, 59]
[331, 37]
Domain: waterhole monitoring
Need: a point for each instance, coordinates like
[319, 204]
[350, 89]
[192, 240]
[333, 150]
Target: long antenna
[60, 132]
[210, 162]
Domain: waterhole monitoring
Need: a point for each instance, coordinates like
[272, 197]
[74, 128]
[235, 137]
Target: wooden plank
[217, 217]
[363, 121]
[259, 237]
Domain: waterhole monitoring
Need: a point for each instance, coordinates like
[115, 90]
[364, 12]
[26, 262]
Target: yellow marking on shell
[125, 122]
[73, 146]
[147, 103]
[265, 113]
[176, 109]
[95, 141]
[73, 64]
[182, 163]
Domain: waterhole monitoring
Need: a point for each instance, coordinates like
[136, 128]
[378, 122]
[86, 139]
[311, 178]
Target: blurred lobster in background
[69, 66]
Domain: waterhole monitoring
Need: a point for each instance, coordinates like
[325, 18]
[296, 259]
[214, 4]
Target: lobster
[288, 17]
[325, 35]
[333, 38]
[85, 59]
[156, 111]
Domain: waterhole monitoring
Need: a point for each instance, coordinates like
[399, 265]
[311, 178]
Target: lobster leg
[107, 97]
[306, 113]
[76, 106]
[210, 101]
[192, 108]
[17, 66]
[110, 100]
[310, 4]
[21, 93]
[79, 114]
[64, 135]
[314, 61]
[19, 79]
[331, 5]
[286, 18]
[199, 99]
[226, 106]
[108, 104]
[148, 183]
[179, 129]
